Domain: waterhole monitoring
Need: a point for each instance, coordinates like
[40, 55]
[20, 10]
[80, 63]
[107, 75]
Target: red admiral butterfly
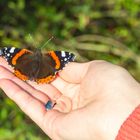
[36, 66]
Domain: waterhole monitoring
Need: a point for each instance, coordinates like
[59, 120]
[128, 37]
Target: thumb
[74, 72]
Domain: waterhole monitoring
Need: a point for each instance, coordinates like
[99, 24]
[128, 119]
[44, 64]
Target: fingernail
[49, 105]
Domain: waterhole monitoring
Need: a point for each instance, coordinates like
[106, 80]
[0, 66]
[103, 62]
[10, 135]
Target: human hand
[97, 96]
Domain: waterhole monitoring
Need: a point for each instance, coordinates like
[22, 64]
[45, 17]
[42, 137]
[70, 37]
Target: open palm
[86, 97]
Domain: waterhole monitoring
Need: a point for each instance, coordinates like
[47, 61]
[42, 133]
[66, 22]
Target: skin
[93, 100]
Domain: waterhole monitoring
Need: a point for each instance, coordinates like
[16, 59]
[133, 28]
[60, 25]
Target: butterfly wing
[20, 60]
[53, 61]
[8, 53]
[61, 58]
[28, 65]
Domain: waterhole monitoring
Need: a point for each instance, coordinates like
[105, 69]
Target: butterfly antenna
[46, 43]
[32, 40]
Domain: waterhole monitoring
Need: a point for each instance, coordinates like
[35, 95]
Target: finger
[4, 63]
[21, 97]
[60, 84]
[48, 89]
[74, 72]
[31, 106]
[63, 103]
[6, 74]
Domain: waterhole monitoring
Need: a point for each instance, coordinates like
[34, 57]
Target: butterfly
[35, 65]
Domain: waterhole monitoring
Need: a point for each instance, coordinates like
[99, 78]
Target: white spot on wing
[63, 54]
[65, 59]
[8, 54]
[12, 50]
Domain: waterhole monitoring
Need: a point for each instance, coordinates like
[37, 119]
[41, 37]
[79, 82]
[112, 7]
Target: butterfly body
[36, 66]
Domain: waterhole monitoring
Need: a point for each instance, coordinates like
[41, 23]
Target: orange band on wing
[56, 59]
[45, 80]
[21, 76]
[20, 53]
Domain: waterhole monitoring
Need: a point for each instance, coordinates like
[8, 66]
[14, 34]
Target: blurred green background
[92, 29]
